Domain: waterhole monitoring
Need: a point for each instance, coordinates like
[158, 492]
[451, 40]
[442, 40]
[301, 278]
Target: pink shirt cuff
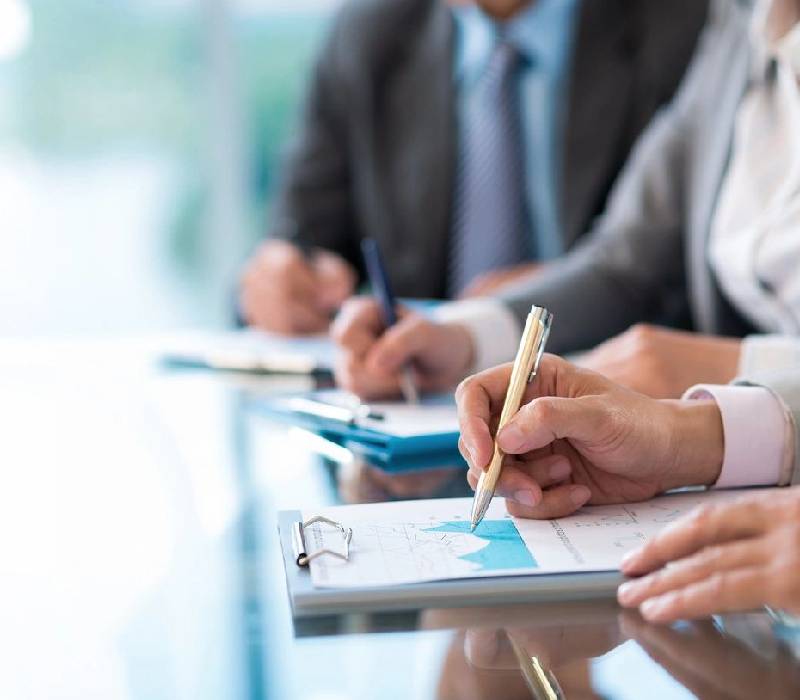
[754, 428]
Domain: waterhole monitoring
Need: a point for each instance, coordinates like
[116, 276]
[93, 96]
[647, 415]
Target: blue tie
[490, 219]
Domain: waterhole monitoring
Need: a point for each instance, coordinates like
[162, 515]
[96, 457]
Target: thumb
[550, 418]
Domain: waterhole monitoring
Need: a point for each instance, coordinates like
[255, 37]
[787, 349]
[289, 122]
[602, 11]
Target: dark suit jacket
[376, 145]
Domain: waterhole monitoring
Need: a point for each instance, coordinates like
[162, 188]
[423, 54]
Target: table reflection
[142, 543]
[362, 482]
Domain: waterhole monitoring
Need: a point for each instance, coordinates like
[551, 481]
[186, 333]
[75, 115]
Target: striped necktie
[490, 218]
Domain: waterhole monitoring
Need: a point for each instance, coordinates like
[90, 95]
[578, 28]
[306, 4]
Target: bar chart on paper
[417, 541]
[434, 547]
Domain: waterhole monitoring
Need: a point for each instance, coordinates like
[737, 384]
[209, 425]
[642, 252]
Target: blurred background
[140, 141]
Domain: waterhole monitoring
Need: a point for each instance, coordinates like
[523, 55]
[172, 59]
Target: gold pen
[526, 364]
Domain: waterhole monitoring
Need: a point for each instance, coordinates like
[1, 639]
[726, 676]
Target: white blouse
[754, 247]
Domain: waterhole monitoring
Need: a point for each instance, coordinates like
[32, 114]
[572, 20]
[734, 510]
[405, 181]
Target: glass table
[140, 560]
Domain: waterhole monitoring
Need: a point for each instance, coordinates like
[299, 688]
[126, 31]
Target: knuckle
[717, 586]
[538, 411]
[783, 585]
[465, 387]
[703, 517]
[640, 336]
[708, 559]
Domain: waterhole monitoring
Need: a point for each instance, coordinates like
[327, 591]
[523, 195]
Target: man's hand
[284, 291]
[580, 438]
[440, 354]
[495, 280]
[664, 363]
[722, 557]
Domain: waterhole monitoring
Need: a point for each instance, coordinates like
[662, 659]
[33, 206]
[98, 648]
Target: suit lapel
[598, 101]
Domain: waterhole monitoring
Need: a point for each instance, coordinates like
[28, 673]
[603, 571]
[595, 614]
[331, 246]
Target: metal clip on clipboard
[301, 556]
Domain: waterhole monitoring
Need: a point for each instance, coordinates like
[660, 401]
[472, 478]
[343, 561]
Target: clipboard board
[308, 601]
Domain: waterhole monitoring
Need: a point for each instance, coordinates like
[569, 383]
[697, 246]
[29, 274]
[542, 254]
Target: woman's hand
[722, 557]
[663, 363]
[579, 438]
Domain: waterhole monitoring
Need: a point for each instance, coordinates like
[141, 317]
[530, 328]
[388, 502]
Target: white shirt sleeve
[758, 433]
[494, 329]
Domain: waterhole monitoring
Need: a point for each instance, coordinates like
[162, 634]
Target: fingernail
[559, 471]
[511, 438]
[480, 649]
[526, 498]
[625, 592]
[579, 495]
[629, 559]
[652, 607]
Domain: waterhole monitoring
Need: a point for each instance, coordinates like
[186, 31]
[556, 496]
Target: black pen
[379, 281]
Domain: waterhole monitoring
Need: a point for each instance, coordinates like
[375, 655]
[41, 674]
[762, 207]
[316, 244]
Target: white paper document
[416, 541]
[405, 420]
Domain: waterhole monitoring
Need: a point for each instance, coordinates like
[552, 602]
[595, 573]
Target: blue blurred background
[139, 143]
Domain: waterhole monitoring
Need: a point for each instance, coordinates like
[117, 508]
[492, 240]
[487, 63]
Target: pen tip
[472, 527]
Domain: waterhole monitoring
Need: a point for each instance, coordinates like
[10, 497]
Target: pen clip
[545, 322]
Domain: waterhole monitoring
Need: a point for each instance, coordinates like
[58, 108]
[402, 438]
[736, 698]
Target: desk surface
[139, 560]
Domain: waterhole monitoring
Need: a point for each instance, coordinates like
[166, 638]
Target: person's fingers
[279, 292]
[286, 268]
[556, 502]
[337, 277]
[398, 345]
[477, 398]
[352, 375]
[524, 484]
[700, 566]
[550, 418]
[556, 645]
[285, 316]
[358, 326]
[707, 662]
[514, 484]
[708, 524]
[482, 647]
[729, 591]
[307, 319]
[686, 659]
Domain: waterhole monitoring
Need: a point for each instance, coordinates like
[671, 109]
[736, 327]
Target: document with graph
[417, 541]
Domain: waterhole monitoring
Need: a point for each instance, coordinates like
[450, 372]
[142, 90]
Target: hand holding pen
[371, 355]
[526, 364]
[580, 436]
[382, 289]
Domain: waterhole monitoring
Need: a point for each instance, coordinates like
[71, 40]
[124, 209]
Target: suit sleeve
[313, 206]
[632, 261]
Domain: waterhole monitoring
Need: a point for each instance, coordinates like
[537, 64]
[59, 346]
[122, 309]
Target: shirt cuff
[493, 327]
[754, 429]
[767, 353]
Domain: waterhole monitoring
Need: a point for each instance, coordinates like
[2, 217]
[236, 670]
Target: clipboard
[308, 601]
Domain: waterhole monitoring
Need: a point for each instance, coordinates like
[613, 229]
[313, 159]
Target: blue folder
[370, 429]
